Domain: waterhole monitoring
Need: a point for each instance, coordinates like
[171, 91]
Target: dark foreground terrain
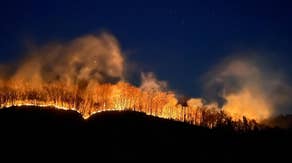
[31, 132]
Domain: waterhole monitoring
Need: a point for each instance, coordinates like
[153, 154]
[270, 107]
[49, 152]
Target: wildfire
[110, 97]
[87, 75]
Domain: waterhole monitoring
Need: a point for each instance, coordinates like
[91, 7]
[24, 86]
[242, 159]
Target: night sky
[179, 40]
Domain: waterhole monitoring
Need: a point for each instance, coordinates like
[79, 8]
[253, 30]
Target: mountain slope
[132, 135]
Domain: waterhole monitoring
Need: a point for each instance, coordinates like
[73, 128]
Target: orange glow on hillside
[114, 97]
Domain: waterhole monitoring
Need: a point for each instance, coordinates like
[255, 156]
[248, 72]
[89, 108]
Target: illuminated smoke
[195, 102]
[245, 88]
[85, 59]
[150, 83]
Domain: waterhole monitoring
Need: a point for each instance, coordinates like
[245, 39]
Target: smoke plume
[85, 59]
[149, 82]
[243, 87]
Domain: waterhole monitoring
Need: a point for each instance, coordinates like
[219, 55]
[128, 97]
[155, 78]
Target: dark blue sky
[178, 40]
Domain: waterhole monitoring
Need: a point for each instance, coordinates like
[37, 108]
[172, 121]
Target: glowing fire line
[114, 97]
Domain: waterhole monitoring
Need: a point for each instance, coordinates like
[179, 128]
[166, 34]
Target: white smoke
[88, 58]
[149, 82]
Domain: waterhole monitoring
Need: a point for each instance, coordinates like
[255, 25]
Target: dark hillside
[132, 135]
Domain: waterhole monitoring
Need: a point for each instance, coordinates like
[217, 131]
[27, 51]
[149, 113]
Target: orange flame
[109, 97]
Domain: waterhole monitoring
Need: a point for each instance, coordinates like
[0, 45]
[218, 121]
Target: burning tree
[121, 96]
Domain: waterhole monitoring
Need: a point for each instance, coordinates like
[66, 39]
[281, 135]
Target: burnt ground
[49, 133]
